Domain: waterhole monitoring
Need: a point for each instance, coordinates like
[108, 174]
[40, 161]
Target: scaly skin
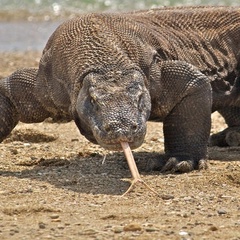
[111, 73]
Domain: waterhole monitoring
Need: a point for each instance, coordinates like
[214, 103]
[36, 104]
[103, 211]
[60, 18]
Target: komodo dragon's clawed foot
[228, 137]
[174, 165]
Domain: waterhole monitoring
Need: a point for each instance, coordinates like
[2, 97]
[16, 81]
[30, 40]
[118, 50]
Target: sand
[55, 185]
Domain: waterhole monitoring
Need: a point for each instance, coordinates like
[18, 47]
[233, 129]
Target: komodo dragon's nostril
[134, 127]
[107, 128]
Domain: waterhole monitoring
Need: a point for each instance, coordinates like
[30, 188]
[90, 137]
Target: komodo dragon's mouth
[117, 146]
[113, 141]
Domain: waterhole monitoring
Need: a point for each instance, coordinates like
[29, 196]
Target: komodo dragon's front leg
[18, 101]
[182, 97]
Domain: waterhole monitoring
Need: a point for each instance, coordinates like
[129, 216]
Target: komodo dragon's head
[101, 65]
[113, 106]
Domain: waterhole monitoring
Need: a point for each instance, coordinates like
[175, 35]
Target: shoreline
[37, 16]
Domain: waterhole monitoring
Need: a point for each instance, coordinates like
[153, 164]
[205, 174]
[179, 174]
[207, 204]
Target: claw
[184, 166]
[173, 165]
[202, 164]
[170, 165]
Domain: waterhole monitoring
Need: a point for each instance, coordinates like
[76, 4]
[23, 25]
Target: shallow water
[58, 6]
[27, 24]
[25, 36]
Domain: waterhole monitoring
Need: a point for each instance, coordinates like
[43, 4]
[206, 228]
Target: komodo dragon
[111, 73]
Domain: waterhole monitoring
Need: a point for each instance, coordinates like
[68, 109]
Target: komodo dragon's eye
[92, 96]
[92, 101]
[140, 102]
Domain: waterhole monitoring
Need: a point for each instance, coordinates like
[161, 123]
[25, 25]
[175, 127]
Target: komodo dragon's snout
[114, 106]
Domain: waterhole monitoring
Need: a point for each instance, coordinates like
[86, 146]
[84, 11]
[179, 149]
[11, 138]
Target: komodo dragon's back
[112, 72]
[206, 37]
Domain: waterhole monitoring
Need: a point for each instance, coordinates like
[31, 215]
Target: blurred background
[27, 24]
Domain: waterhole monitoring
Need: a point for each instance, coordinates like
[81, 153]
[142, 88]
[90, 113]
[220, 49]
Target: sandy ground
[54, 184]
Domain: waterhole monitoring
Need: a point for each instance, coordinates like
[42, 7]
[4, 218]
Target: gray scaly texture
[111, 73]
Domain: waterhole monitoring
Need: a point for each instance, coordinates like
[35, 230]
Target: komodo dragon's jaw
[115, 107]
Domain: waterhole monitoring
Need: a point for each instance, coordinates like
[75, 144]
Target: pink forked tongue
[133, 168]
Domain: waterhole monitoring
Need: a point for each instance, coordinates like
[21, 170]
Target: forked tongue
[133, 168]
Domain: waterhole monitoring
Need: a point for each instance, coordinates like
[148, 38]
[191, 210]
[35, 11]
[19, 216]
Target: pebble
[41, 225]
[54, 216]
[151, 229]
[213, 228]
[188, 198]
[118, 229]
[26, 144]
[167, 197]
[221, 211]
[14, 151]
[132, 227]
[225, 196]
[75, 140]
[60, 227]
[56, 220]
[89, 231]
[183, 233]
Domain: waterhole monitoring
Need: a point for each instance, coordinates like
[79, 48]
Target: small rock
[188, 198]
[89, 231]
[60, 227]
[167, 197]
[221, 211]
[54, 216]
[224, 196]
[118, 229]
[26, 144]
[237, 223]
[132, 227]
[183, 233]
[151, 229]
[14, 151]
[75, 140]
[56, 220]
[213, 228]
[41, 225]
[110, 216]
